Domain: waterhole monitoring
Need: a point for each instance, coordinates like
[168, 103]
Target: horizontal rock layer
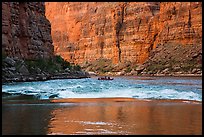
[123, 31]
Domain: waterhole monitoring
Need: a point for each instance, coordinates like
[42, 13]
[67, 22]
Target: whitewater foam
[119, 87]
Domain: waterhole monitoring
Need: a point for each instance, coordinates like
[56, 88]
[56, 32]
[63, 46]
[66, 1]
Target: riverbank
[102, 116]
[121, 99]
[157, 67]
[19, 70]
[145, 75]
[44, 77]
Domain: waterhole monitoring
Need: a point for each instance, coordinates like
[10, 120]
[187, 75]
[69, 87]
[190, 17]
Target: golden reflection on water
[127, 118]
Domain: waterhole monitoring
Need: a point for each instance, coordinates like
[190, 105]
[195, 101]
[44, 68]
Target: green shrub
[50, 65]
[58, 59]
[65, 64]
[44, 64]
[77, 68]
[155, 67]
[103, 70]
[129, 69]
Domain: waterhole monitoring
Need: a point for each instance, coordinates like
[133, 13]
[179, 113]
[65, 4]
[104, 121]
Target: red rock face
[26, 33]
[181, 23]
[122, 31]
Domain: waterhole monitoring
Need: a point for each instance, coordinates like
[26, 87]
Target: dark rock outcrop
[26, 33]
[26, 38]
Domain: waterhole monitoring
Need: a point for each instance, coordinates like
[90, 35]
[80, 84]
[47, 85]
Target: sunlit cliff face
[122, 31]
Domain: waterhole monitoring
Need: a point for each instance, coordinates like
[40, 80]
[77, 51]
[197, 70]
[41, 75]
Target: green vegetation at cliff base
[51, 65]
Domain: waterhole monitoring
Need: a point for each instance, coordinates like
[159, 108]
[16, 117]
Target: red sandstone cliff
[126, 31]
[178, 39]
[26, 33]
[121, 31]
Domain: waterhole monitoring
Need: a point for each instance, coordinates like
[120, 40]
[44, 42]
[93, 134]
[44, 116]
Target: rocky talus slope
[129, 37]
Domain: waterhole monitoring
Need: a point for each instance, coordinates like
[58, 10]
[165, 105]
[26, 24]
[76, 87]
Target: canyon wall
[124, 31]
[27, 50]
[179, 39]
[26, 33]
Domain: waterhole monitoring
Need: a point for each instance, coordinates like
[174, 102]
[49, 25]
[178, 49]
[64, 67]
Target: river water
[167, 105]
[133, 87]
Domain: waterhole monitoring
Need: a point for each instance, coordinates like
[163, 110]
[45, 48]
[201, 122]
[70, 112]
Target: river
[125, 105]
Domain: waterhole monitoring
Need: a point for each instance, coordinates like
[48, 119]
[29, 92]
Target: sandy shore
[121, 99]
[118, 116]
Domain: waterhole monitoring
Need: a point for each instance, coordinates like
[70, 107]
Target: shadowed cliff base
[18, 70]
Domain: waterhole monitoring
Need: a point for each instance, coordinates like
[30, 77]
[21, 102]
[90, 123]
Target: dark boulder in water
[53, 96]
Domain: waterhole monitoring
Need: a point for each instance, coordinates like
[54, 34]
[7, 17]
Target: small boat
[105, 78]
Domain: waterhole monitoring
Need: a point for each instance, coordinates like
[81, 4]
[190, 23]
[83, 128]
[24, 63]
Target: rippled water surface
[189, 88]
